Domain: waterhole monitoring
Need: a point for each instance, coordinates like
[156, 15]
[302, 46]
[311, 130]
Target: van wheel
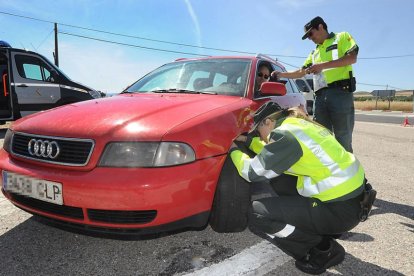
[231, 201]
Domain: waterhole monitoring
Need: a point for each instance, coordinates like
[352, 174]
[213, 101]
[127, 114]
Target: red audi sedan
[151, 159]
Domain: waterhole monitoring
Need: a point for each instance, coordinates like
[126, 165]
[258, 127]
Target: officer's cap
[263, 112]
[314, 23]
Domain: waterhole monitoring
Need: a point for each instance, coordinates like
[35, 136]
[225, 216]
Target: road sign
[383, 93]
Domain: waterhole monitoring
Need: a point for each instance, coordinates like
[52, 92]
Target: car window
[221, 76]
[32, 68]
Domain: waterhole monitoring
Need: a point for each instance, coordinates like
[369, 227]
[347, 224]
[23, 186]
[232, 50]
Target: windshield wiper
[184, 91]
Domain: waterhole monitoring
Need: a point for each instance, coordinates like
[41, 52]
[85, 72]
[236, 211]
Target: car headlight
[7, 140]
[95, 94]
[146, 154]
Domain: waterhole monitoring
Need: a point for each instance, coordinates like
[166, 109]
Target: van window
[32, 68]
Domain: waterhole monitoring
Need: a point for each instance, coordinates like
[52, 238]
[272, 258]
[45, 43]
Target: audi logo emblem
[43, 148]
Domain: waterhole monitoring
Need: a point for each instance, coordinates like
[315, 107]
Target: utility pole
[56, 53]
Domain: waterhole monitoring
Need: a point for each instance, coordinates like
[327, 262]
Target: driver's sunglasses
[260, 74]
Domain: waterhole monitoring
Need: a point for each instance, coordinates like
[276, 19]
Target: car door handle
[22, 85]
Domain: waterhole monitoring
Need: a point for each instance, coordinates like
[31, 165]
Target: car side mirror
[302, 86]
[273, 89]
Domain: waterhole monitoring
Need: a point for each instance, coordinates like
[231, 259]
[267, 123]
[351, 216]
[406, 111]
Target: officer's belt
[341, 83]
[344, 84]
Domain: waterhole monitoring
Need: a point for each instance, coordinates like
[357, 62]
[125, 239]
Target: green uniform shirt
[333, 48]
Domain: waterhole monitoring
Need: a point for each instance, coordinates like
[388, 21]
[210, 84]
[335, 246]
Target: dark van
[30, 83]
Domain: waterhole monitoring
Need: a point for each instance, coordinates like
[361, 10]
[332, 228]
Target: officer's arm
[254, 143]
[290, 75]
[298, 73]
[348, 47]
[348, 59]
[276, 157]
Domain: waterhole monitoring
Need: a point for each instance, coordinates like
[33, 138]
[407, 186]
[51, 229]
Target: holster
[368, 198]
[352, 83]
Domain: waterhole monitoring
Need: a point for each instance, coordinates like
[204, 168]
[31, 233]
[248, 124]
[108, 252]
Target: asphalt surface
[383, 245]
[393, 117]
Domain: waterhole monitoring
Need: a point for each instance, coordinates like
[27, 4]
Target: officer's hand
[275, 75]
[233, 145]
[315, 69]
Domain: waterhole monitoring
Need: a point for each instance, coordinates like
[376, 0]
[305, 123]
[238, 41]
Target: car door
[5, 98]
[33, 83]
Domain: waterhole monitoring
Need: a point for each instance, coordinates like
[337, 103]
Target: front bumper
[124, 198]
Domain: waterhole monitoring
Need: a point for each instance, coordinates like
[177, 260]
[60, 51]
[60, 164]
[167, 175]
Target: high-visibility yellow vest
[324, 172]
[334, 47]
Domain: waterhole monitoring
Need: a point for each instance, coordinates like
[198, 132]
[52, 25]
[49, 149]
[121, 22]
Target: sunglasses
[310, 34]
[260, 74]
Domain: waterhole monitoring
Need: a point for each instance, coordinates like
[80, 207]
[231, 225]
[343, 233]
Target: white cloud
[195, 20]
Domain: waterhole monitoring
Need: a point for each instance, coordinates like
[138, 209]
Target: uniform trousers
[334, 109]
[295, 223]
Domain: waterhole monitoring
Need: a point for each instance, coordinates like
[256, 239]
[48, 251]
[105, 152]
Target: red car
[152, 159]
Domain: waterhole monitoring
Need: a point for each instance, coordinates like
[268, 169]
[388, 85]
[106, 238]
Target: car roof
[258, 57]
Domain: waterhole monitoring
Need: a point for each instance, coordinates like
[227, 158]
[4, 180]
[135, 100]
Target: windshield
[212, 76]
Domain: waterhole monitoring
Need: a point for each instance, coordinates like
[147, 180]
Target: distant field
[368, 102]
[397, 93]
[394, 106]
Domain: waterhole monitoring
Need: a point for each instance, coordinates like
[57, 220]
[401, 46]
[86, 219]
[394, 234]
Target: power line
[385, 57]
[149, 39]
[382, 85]
[187, 53]
[186, 45]
[181, 44]
[132, 45]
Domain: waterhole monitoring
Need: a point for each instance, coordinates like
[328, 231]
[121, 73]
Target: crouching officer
[320, 186]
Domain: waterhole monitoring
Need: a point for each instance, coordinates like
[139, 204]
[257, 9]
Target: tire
[231, 201]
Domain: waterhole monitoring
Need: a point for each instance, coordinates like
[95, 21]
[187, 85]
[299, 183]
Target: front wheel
[231, 201]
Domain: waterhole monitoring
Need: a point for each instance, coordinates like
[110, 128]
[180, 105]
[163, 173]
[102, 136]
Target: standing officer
[330, 63]
[319, 184]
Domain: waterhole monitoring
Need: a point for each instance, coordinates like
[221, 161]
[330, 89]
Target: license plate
[32, 187]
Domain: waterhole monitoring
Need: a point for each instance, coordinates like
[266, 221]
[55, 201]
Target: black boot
[317, 261]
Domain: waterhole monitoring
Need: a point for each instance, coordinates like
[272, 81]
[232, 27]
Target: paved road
[384, 117]
[383, 245]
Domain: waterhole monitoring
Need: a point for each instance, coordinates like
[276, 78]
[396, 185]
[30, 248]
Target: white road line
[256, 260]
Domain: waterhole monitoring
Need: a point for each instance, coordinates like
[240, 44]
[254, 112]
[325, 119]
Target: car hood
[124, 117]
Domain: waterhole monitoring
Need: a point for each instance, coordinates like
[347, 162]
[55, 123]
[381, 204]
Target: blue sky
[381, 28]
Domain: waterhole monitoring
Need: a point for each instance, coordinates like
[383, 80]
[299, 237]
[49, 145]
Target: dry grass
[394, 106]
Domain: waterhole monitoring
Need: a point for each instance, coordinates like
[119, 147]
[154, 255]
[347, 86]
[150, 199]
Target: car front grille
[123, 217]
[61, 210]
[72, 151]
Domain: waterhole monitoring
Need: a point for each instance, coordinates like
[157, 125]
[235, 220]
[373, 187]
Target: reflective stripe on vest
[337, 177]
[257, 168]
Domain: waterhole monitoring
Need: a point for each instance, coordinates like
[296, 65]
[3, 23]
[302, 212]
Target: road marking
[259, 259]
